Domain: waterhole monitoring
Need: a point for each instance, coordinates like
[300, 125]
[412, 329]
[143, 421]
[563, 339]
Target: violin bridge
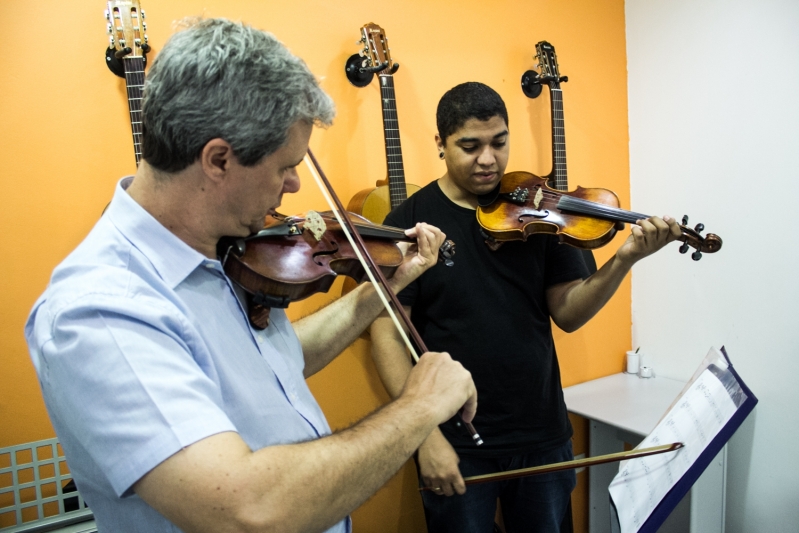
[316, 224]
[539, 195]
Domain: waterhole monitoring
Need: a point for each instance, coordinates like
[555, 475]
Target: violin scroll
[692, 238]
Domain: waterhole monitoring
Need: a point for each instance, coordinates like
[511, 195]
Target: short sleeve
[564, 263]
[126, 377]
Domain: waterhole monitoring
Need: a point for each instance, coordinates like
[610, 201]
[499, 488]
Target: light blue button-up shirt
[142, 347]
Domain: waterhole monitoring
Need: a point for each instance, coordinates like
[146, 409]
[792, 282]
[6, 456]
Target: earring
[441, 155]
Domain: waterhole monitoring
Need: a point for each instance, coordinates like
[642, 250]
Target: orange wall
[65, 134]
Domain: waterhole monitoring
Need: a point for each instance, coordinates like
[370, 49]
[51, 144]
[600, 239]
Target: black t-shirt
[489, 312]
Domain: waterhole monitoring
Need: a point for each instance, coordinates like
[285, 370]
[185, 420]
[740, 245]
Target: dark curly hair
[467, 100]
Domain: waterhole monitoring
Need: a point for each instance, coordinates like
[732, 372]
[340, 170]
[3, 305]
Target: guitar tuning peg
[699, 227]
[696, 256]
[684, 248]
[685, 220]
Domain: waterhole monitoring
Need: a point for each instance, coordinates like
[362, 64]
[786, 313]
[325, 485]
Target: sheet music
[695, 418]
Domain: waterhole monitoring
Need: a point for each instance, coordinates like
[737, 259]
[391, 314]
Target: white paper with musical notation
[695, 418]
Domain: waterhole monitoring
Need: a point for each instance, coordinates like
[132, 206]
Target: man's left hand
[647, 237]
[419, 256]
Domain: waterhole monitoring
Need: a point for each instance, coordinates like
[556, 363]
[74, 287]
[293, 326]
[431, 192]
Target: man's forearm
[389, 354]
[217, 484]
[573, 307]
[328, 331]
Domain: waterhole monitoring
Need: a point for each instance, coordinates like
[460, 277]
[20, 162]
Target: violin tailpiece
[491, 242]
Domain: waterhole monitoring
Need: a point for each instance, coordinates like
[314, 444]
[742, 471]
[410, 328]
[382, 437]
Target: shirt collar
[172, 258]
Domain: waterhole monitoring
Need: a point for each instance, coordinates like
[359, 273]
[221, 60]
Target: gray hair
[222, 79]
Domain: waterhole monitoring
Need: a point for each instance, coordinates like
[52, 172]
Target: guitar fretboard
[558, 141]
[134, 80]
[396, 172]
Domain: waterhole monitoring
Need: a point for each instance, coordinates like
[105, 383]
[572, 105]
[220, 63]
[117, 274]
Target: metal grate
[36, 493]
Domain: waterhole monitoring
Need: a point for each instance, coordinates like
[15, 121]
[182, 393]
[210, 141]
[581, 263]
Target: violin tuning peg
[684, 248]
[685, 220]
[699, 227]
[696, 256]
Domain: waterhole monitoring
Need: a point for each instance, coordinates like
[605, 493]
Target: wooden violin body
[584, 218]
[508, 220]
[292, 258]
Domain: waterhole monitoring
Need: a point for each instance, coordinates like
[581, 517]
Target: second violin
[584, 218]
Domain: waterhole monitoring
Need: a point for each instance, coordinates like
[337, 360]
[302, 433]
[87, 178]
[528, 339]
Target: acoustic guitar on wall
[532, 82]
[375, 58]
[126, 56]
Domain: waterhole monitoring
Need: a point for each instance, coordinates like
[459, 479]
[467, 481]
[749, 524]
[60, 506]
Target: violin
[523, 204]
[294, 257]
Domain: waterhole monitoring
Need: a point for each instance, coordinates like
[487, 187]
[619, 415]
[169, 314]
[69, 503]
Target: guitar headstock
[376, 50]
[375, 57]
[548, 65]
[547, 71]
[126, 28]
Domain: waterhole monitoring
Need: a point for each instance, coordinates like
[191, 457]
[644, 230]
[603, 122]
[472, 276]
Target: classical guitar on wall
[375, 58]
[126, 56]
[532, 81]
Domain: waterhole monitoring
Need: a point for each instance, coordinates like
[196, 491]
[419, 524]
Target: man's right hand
[438, 466]
[442, 385]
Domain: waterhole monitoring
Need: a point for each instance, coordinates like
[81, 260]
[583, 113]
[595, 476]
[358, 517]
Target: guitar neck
[134, 81]
[559, 179]
[396, 172]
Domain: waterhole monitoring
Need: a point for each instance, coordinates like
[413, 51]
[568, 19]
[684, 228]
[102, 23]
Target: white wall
[714, 133]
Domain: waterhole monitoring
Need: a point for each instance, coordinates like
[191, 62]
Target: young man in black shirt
[491, 311]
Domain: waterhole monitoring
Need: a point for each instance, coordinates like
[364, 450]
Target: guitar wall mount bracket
[532, 83]
[113, 59]
[360, 75]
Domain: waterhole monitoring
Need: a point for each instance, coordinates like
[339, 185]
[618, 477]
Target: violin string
[589, 208]
[368, 230]
[369, 273]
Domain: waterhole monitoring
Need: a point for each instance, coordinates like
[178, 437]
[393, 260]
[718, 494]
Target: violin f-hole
[534, 214]
[334, 249]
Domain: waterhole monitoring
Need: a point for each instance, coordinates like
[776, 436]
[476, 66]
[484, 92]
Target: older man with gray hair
[173, 410]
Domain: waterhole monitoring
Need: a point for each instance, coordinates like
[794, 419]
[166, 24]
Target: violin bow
[569, 465]
[372, 270]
